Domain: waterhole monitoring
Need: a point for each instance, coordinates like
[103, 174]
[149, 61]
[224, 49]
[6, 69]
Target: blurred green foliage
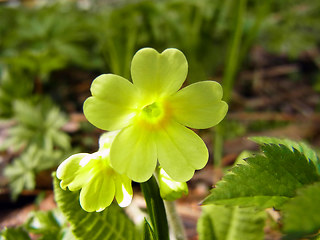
[104, 38]
[23, 170]
[46, 225]
[49, 225]
[292, 27]
[37, 123]
[37, 136]
[14, 85]
[18, 233]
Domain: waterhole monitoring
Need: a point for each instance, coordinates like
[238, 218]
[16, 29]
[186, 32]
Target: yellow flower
[153, 115]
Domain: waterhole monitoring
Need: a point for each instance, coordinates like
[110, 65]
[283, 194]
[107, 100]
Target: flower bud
[169, 188]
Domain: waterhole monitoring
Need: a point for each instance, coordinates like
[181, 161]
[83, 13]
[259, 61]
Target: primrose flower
[153, 115]
[98, 182]
[170, 189]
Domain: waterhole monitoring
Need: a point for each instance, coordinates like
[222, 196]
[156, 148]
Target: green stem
[155, 208]
[224, 10]
[175, 222]
[233, 58]
[262, 9]
[218, 145]
[229, 75]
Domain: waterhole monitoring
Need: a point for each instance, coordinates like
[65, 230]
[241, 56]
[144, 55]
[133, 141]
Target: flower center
[152, 111]
[154, 115]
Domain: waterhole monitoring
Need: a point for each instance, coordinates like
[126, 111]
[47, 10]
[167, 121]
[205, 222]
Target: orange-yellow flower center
[155, 115]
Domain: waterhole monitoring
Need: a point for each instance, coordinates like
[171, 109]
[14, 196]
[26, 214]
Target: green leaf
[111, 224]
[39, 122]
[23, 170]
[68, 235]
[14, 234]
[231, 223]
[300, 146]
[266, 180]
[46, 223]
[148, 231]
[301, 214]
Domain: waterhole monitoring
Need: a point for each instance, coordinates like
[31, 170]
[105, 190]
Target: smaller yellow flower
[98, 182]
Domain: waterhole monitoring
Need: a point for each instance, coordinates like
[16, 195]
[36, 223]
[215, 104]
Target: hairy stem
[175, 223]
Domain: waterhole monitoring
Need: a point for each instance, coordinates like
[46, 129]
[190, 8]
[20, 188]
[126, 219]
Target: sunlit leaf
[266, 180]
[300, 146]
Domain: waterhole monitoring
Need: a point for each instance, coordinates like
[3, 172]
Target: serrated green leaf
[266, 180]
[231, 223]
[14, 234]
[300, 146]
[301, 214]
[111, 223]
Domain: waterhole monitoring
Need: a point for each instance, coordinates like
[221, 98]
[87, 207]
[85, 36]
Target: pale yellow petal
[180, 151]
[71, 173]
[123, 190]
[199, 105]
[113, 102]
[98, 193]
[158, 74]
[134, 153]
